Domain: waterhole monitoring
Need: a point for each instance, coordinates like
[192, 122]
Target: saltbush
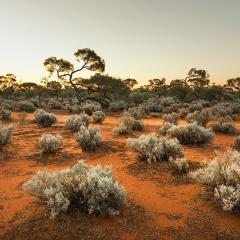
[54, 104]
[26, 106]
[153, 149]
[5, 134]
[76, 121]
[89, 108]
[117, 106]
[180, 165]
[44, 119]
[223, 175]
[127, 124]
[191, 133]
[98, 117]
[165, 127]
[49, 143]
[89, 139]
[224, 125]
[201, 117]
[171, 118]
[91, 189]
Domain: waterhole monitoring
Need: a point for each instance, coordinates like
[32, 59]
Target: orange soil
[176, 208]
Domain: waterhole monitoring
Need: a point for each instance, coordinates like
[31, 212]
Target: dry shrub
[223, 175]
[76, 121]
[191, 134]
[89, 139]
[171, 118]
[5, 134]
[127, 124]
[49, 143]
[91, 189]
[224, 125]
[98, 117]
[44, 119]
[153, 149]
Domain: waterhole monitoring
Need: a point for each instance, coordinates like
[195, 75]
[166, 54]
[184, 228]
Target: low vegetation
[150, 148]
[89, 139]
[44, 119]
[127, 124]
[222, 174]
[49, 143]
[5, 134]
[91, 189]
[191, 133]
[75, 122]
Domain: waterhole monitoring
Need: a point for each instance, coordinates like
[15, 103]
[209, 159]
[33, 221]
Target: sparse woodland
[177, 134]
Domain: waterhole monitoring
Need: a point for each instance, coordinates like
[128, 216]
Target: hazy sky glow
[141, 39]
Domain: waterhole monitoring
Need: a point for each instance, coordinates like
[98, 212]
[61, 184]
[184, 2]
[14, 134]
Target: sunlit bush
[171, 118]
[49, 143]
[191, 134]
[44, 119]
[201, 117]
[153, 149]
[183, 112]
[74, 122]
[224, 125]
[5, 134]
[92, 189]
[89, 108]
[98, 117]
[223, 175]
[127, 124]
[89, 139]
[136, 112]
[180, 165]
[165, 127]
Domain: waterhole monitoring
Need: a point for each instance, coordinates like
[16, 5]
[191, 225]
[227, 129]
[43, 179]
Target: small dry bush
[91, 189]
[90, 108]
[136, 112]
[5, 134]
[44, 119]
[222, 174]
[180, 165]
[201, 117]
[165, 127]
[153, 149]
[49, 143]
[26, 106]
[98, 117]
[89, 139]
[171, 118]
[127, 124]
[76, 121]
[183, 112]
[224, 125]
[55, 104]
[191, 133]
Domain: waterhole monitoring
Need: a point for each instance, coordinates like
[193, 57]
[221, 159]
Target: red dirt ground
[162, 204]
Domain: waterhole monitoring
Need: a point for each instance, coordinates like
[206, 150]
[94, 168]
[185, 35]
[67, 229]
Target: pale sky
[141, 39]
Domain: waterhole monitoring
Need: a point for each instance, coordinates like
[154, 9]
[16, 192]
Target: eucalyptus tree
[66, 71]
